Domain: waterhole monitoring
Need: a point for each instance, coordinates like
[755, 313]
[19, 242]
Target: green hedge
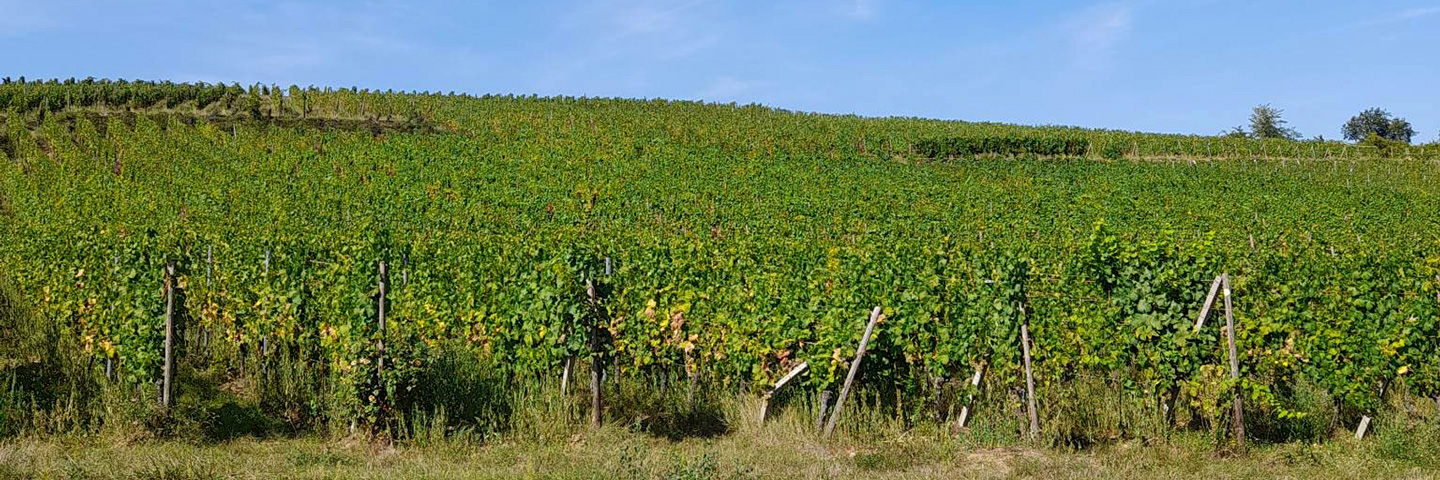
[949, 147]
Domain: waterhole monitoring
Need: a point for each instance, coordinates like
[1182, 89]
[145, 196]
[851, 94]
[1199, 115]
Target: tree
[1265, 122]
[1378, 122]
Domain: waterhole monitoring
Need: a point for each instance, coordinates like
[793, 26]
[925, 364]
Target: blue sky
[1185, 66]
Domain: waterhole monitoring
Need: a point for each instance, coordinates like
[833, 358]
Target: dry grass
[784, 447]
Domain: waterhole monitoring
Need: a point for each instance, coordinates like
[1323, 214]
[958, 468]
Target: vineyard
[352, 234]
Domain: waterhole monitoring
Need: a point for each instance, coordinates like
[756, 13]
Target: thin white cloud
[689, 47]
[1399, 17]
[624, 19]
[1094, 33]
[861, 9]
[1420, 12]
[643, 20]
[631, 34]
[291, 40]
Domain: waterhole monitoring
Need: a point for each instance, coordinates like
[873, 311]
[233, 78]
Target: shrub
[1383, 147]
[951, 147]
[1113, 151]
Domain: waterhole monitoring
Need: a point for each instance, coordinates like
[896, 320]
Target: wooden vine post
[974, 383]
[1209, 301]
[824, 404]
[1238, 429]
[565, 375]
[169, 378]
[1222, 282]
[765, 400]
[1360, 430]
[854, 368]
[1029, 375]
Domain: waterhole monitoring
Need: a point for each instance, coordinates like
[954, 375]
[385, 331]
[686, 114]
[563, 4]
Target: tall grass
[461, 398]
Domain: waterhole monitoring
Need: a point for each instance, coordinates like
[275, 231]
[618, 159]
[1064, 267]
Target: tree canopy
[1265, 122]
[1378, 122]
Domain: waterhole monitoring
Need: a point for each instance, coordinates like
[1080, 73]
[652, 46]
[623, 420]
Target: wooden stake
[596, 400]
[169, 334]
[965, 410]
[565, 375]
[765, 401]
[824, 405]
[854, 368]
[1029, 376]
[264, 353]
[1364, 425]
[1209, 301]
[1239, 412]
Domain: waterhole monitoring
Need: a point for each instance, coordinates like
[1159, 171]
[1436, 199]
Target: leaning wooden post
[1239, 416]
[169, 334]
[1029, 375]
[597, 401]
[824, 405]
[765, 400]
[854, 368]
[974, 383]
[565, 375]
[1209, 301]
[381, 281]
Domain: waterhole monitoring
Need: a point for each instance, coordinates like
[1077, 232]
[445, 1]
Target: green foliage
[740, 241]
[1155, 288]
[1378, 122]
[951, 147]
[1265, 122]
[1112, 151]
[1236, 132]
[1382, 146]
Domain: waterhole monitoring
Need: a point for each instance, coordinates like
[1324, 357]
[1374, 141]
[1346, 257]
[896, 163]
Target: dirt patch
[1001, 461]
